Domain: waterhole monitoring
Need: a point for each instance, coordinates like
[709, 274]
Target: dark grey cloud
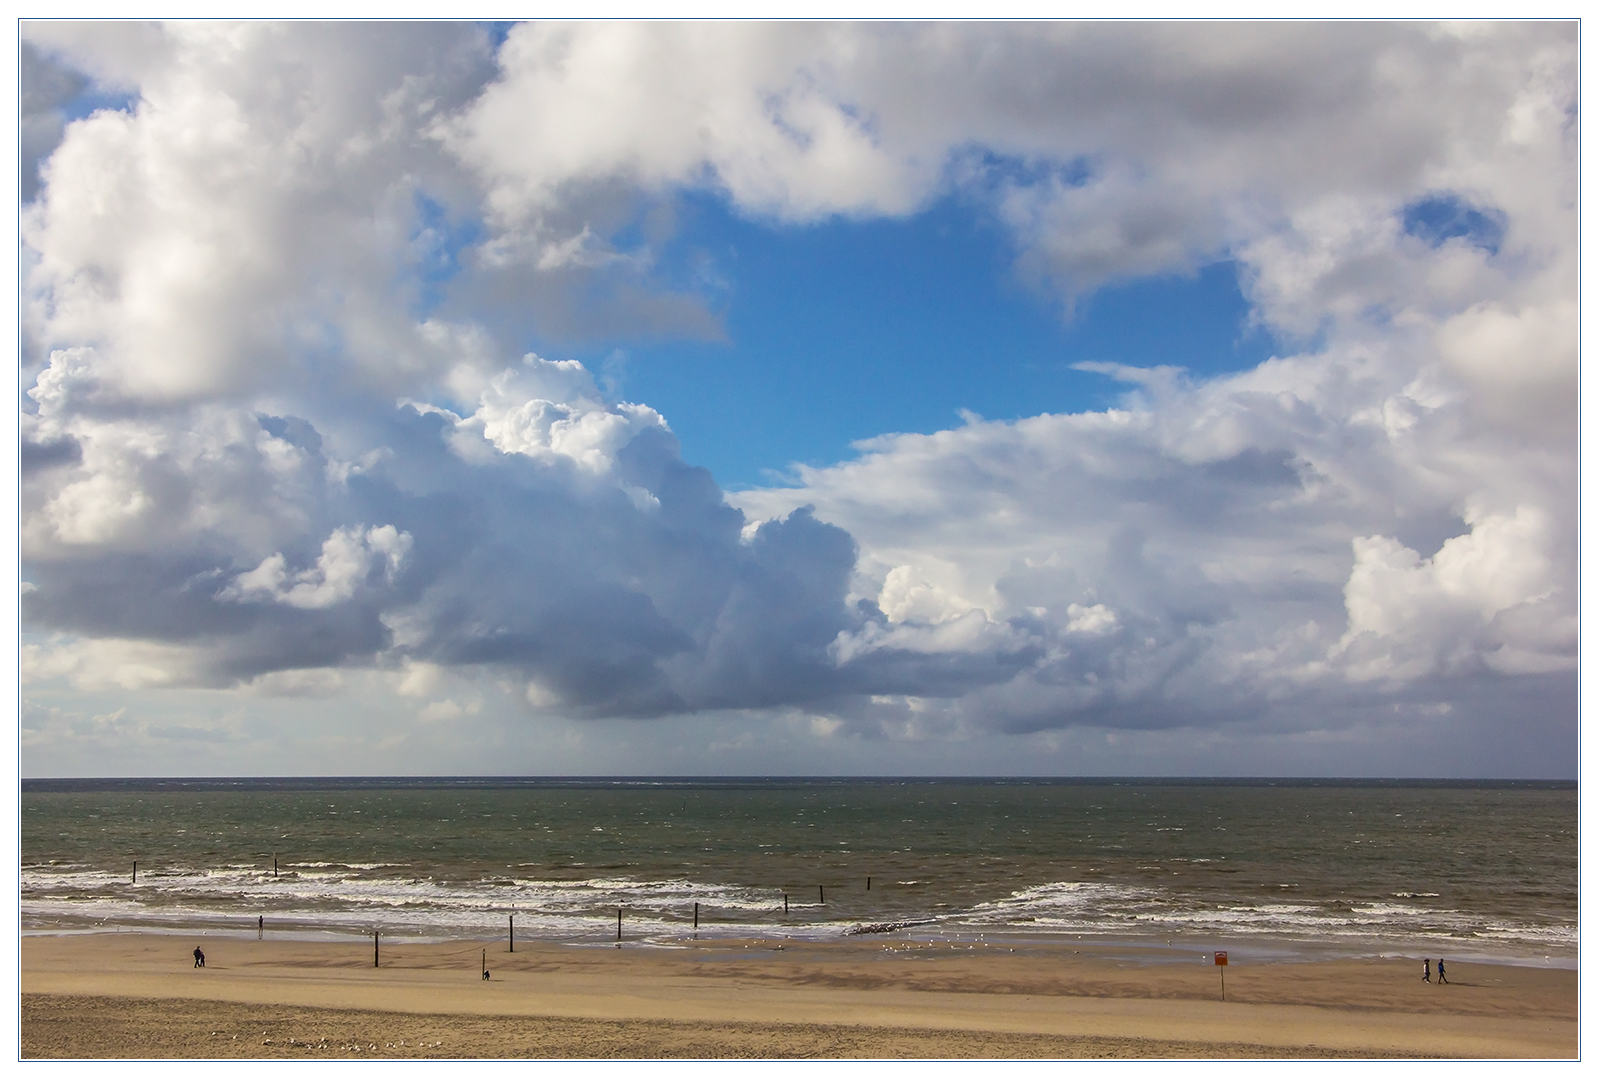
[610, 607]
[44, 455]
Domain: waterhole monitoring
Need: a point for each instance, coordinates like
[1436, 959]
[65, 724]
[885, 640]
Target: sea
[1265, 869]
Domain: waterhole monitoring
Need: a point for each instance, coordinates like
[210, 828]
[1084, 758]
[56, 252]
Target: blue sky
[732, 399]
[842, 330]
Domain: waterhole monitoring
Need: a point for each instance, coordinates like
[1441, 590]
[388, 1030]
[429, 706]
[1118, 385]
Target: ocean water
[1266, 868]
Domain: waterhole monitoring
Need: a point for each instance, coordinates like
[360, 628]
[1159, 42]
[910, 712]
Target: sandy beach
[138, 995]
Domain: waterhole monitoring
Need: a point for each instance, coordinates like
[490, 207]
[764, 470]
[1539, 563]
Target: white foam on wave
[286, 867]
[336, 897]
[1101, 908]
[345, 897]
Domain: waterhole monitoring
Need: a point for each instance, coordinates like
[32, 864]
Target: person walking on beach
[1441, 978]
[199, 957]
[1426, 970]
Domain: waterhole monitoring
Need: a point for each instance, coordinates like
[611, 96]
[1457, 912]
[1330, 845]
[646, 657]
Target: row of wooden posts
[260, 924]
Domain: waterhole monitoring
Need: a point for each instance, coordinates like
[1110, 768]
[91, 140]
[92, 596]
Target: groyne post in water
[696, 914]
[618, 924]
[274, 864]
[135, 871]
[785, 903]
[821, 890]
[868, 883]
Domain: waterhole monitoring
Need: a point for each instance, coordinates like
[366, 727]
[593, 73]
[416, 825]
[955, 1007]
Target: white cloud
[549, 409]
[206, 241]
[420, 680]
[1519, 363]
[1410, 616]
[1094, 619]
[908, 593]
[971, 632]
[108, 663]
[348, 558]
[753, 105]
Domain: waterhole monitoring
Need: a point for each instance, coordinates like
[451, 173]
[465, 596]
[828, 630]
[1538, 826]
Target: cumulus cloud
[758, 107]
[552, 409]
[279, 417]
[1491, 596]
[348, 558]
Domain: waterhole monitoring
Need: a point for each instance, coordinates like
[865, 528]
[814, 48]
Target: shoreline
[782, 998]
[1151, 948]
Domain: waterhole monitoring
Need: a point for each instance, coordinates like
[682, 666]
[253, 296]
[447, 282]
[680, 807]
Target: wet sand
[138, 995]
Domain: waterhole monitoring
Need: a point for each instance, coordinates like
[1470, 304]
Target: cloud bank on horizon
[281, 434]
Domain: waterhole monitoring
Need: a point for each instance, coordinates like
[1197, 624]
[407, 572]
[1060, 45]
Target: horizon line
[710, 778]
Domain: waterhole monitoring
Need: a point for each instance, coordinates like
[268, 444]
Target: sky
[798, 399]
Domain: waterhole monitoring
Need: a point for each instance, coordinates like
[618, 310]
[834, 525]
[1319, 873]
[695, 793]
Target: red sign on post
[1221, 959]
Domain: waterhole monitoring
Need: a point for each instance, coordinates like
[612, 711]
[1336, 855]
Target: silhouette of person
[1426, 971]
[199, 957]
[485, 974]
[1441, 978]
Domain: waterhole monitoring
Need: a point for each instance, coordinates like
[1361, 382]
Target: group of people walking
[1426, 971]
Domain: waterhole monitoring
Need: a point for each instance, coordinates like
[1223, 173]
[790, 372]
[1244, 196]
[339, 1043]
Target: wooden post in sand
[374, 948]
[513, 931]
[484, 967]
[260, 927]
[618, 924]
